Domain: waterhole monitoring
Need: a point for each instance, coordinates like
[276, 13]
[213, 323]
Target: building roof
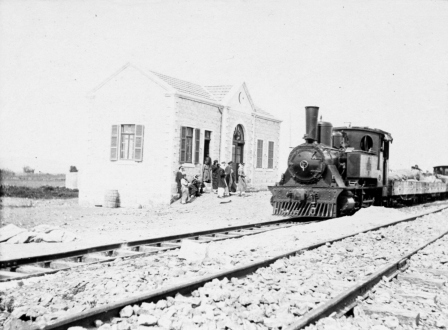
[219, 92]
[216, 93]
[262, 112]
[186, 87]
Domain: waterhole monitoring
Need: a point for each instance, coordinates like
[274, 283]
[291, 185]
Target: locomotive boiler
[335, 172]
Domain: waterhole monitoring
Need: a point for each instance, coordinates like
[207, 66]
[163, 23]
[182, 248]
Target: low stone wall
[71, 180]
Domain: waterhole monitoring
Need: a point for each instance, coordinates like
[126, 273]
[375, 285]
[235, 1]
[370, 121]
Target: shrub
[5, 173]
[27, 169]
[44, 192]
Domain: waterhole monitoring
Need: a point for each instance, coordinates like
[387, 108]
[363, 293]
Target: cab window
[366, 143]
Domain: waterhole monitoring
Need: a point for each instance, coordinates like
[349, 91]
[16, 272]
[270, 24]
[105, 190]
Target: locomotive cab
[366, 155]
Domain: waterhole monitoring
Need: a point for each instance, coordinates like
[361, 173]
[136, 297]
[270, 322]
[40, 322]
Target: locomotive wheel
[346, 204]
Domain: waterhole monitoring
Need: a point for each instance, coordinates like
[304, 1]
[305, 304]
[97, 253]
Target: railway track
[410, 292]
[372, 297]
[290, 291]
[23, 268]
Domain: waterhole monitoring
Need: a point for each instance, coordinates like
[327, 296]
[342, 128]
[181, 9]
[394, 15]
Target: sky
[382, 64]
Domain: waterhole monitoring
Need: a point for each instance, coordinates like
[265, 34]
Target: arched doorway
[237, 148]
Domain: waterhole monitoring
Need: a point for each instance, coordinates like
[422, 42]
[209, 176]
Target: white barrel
[111, 199]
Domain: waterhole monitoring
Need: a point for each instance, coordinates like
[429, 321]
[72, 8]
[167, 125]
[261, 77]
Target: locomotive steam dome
[306, 163]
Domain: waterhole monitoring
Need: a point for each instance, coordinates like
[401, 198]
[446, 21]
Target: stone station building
[143, 125]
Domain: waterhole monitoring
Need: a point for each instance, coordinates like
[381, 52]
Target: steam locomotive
[339, 170]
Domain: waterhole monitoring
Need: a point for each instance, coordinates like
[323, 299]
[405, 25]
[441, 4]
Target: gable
[240, 100]
[127, 76]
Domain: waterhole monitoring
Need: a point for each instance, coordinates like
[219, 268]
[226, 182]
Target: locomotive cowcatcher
[335, 172]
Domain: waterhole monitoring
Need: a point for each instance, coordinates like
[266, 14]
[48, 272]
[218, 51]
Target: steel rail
[86, 318]
[206, 236]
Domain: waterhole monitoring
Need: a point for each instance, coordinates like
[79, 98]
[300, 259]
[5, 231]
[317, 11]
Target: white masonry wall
[129, 98]
[266, 130]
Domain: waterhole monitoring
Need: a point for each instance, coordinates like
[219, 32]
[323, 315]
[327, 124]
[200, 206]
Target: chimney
[311, 124]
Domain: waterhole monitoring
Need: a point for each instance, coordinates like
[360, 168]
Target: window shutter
[138, 145]
[271, 155]
[259, 153]
[197, 136]
[183, 133]
[114, 143]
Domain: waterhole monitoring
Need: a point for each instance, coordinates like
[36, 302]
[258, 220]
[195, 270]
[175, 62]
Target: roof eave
[267, 118]
[197, 99]
[91, 94]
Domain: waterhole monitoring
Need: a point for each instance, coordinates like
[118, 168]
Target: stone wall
[198, 115]
[266, 130]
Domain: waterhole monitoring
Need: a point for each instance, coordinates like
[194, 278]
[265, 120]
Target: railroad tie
[32, 270]
[94, 257]
[416, 296]
[437, 272]
[59, 264]
[151, 248]
[421, 281]
[404, 316]
[9, 275]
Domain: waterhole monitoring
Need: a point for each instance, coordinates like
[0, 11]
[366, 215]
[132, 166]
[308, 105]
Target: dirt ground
[97, 225]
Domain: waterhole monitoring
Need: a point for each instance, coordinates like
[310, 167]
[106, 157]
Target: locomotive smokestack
[311, 124]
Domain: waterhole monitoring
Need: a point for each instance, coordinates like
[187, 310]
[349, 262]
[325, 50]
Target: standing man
[241, 180]
[222, 185]
[215, 180]
[207, 174]
[185, 189]
[179, 176]
[229, 179]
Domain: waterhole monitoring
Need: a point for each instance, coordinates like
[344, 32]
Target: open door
[237, 149]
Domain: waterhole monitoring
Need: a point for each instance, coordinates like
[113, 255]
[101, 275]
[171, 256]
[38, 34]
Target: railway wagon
[339, 170]
[412, 191]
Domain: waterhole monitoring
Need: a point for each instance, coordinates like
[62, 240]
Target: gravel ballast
[69, 292]
[424, 304]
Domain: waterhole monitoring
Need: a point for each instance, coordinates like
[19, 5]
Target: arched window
[366, 143]
[238, 134]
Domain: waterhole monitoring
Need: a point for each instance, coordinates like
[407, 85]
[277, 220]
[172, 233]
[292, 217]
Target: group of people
[223, 178]
[187, 189]
[219, 178]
